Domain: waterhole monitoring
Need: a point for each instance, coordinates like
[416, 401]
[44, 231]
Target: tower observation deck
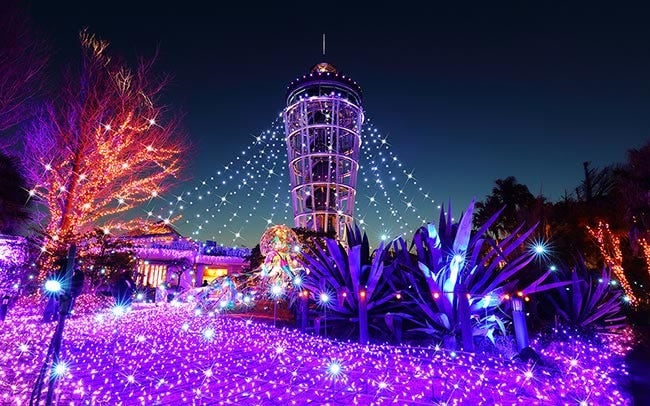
[323, 118]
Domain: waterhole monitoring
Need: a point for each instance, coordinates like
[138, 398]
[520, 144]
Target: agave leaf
[442, 223]
[608, 306]
[338, 254]
[355, 268]
[601, 289]
[449, 222]
[535, 286]
[418, 240]
[486, 226]
[365, 251]
[432, 236]
[510, 270]
[490, 335]
[380, 301]
[501, 325]
[376, 270]
[576, 294]
[464, 230]
[442, 320]
[518, 242]
[558, 308]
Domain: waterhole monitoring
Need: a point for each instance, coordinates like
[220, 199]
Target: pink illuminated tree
[102, 148]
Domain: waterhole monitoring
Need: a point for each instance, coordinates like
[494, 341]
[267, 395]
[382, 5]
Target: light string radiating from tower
[380, 175]
[251, 193]
[213, 205]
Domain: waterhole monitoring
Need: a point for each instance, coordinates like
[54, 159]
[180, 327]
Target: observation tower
[323, 121]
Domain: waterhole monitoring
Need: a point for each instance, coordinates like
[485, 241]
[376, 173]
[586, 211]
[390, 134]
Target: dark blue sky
[467, 93]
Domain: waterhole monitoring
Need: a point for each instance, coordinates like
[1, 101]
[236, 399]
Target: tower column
[323, 121]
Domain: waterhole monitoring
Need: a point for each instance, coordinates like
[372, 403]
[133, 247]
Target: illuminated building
[160, 252]
[323, 118]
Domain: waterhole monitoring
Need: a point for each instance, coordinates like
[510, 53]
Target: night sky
[466, 94]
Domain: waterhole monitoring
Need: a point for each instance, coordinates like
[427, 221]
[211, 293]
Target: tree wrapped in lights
[645, 247]
[609, 245]
[102, 148]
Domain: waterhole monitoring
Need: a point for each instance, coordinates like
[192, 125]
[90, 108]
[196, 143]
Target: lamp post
[363, 317]
[60, 287]
[276, 292]
[324, 299]
[519, 322]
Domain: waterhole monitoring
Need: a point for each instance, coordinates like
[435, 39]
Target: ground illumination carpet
[169, 355]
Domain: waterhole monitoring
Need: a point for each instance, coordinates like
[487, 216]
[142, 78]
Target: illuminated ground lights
[251, 192]
[167, 355]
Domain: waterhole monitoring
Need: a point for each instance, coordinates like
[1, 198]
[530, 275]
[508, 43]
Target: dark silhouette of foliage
[103, 258]
[515, 199]
[23, 57]
[634, 188]
[14, 196]
[253, 260]
[590, 303]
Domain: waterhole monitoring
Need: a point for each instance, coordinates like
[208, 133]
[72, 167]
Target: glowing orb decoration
[334, 369]
[279, 244]
[59, 369]
[278, 239]
[53, 286]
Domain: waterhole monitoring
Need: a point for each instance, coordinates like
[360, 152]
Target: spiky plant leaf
[593, 305]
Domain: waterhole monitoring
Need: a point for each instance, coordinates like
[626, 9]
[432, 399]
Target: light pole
[324, 299]
[276, 292]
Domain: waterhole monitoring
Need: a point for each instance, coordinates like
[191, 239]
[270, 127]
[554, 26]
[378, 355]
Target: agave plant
[591, 304]
[355, 283]
[457, 277]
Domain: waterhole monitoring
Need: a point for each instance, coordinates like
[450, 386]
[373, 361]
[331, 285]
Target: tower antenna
[323, 44]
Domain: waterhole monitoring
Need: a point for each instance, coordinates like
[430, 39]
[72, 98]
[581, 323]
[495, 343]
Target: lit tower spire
[323, 121]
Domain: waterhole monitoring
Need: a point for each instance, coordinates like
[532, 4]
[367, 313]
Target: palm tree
[516, 201]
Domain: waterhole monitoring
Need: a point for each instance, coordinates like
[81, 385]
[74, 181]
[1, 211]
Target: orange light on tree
[609, 246]
[645, 247]
[104, 147]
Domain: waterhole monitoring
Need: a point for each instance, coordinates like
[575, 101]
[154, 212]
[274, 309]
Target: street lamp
[324, 299]
[276, 293]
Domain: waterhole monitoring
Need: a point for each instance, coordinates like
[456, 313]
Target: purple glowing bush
[590, 304]
[462, 281]
[356, 285]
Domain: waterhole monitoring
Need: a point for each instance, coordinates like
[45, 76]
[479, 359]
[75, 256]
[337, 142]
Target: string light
[87, 172]
[167, 354]
[609, 246]
[249, 183]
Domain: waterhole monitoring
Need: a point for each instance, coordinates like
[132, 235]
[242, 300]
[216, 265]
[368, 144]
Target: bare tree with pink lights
[102, 148]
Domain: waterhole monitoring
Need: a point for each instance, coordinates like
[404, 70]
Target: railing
[219, 251]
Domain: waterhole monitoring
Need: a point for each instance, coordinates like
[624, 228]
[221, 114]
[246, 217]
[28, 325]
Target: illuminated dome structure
[278, 245]
[323, 121]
